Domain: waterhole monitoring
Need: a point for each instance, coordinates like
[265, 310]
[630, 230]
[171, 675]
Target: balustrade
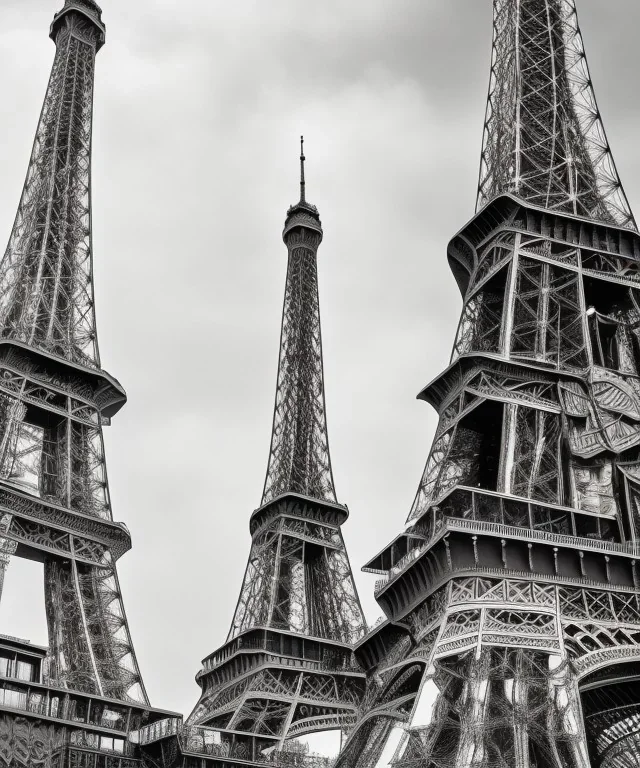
[204, 741]
[66, 706]
[465, 508]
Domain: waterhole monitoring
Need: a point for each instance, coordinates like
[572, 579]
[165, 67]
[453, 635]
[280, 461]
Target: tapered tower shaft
[544, 140]
[46, 285]
[299, 460]
[54, 398]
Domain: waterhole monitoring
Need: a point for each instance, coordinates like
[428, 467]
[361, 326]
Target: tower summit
[513, 594]
[287, 667]
[57, 704]
[302, 181]
[46, 282]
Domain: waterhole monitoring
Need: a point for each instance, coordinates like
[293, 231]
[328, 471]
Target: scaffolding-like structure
[287, 667]
[54, 400]
[512, 597]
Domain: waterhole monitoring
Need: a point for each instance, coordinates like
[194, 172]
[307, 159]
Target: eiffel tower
[512, 596]
[73, 703]
[287, 667]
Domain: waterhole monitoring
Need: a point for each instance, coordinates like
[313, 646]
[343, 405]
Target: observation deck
[473, 531]
[507, 212]
[205, 744]
[90, 10]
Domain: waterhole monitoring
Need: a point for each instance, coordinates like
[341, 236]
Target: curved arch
[593, 662]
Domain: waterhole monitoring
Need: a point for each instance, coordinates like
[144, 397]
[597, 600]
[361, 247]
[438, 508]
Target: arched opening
[611, 709]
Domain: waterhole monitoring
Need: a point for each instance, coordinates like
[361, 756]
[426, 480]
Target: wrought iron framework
[299, 460]
[53, 396]
[54, 400]
[513, 594]
[287, 667]
[544, 140]
[46, 283]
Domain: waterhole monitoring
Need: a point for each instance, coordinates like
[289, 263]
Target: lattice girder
[543, 138]
[54, 493]
[299, 584]
[529, 715]
[555, 313]
[299, 459]
[46, 281]
[306, 700]
[516, 579]
[287, 667]
[531, 493]
[298, 581]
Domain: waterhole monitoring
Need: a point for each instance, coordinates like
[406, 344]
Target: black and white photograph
[346, 295]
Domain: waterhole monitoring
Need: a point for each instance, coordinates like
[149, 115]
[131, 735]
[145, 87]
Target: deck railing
[207, 741]
[447, 523]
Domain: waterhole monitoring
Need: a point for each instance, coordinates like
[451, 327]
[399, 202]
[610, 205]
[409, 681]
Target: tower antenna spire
[302, 181]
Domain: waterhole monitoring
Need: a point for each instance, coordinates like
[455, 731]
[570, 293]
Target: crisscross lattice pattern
[544, 139]
[46, 284]
[299, 588]
[51, 446]
[299, 460]
[298, 585]
[538, 443]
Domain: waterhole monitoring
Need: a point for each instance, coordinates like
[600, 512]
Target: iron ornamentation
[511, 635]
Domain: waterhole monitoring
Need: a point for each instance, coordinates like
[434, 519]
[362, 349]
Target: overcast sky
[199, 106]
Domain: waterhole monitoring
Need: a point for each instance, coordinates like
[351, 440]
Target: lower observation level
[171, 744]
[53, 727]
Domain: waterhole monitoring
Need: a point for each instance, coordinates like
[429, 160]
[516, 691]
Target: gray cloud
[198, 109]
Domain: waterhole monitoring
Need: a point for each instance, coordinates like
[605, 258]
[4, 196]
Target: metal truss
[46, 286]
[543, 138]
[296, 584]
[91, 648]
[514, 591]
[543, 409]
[299, 459]
[287, 667]
[54, 399]
[276, 703]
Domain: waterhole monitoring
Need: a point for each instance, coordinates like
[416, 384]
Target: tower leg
[471, 751]
[90, 646]
[565, 716]
[73, 661]
[506, 708]
[516, 691]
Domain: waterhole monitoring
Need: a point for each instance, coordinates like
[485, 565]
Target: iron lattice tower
[54, 400]
[287, 667]
[512, 597]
